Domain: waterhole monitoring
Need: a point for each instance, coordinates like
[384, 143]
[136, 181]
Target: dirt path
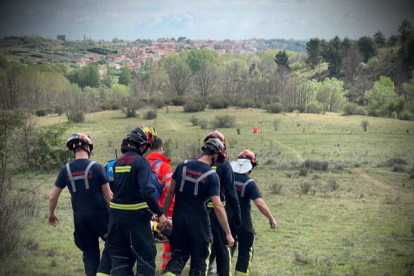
[369, 178]
[297, 154]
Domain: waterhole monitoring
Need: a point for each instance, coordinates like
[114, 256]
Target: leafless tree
[179, 76]
[206, 79]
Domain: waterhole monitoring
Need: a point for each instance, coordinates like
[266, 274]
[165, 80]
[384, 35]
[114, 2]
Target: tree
[380, 96]
[198, 58]
[392, 40]
[125, 76]
[206, 79]
[368, 47]
[11, 86]
[282, 59]
[351, 58]
[179, 76]
[379, 38]
[333, 56]
[331, 95]
[405, 29]
[314, 50]
[406, 52]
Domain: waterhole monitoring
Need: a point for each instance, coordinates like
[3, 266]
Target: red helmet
[216, 134]
[79, 140]
[248, 154]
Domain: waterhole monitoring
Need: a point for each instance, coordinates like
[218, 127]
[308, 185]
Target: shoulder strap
[243, 185]
[196, 181]
[84, 177]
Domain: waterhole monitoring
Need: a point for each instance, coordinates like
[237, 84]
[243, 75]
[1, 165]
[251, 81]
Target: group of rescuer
[204, 206]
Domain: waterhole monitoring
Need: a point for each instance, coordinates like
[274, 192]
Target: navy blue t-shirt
[251, 191]
[207, 187]
[96, 177]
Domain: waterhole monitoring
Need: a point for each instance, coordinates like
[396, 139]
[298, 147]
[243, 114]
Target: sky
[203, 19]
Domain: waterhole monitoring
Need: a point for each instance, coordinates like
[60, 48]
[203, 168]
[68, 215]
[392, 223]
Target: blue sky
[200, 19]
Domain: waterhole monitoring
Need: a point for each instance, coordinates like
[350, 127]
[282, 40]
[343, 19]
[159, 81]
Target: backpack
[110, 172]
[158, 188]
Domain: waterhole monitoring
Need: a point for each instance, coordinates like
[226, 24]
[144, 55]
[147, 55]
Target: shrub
[316, 165]
[194, 120]
[301, 107]
[218, 103]
[194, 106]
[150, 114]
[276, 188]
[303, 171]
[364, 125]
[76, 116]
[204, 123]
[360, 111]
[395, 161]
[332, 184]
[247, 104]
[276, 124]
[178, 101]
[290, 107]
[59, 110]
[349, 108]
[407, 116]
[305, 187]
[41, 112]
[224, 121]
[314, 107]
[274, 108]
[157, 102]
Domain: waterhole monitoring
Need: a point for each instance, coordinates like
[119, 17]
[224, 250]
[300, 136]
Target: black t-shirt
[96, 178]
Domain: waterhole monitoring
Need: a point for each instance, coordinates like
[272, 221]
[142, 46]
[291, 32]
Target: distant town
[133, 54]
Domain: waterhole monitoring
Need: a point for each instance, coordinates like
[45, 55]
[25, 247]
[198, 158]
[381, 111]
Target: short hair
[208, 151]
[157, 144]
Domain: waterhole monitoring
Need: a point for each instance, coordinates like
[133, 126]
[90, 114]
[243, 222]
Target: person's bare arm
[167, 201]
[107, 193]
[261, 205]
[53, 200]
[222, 218]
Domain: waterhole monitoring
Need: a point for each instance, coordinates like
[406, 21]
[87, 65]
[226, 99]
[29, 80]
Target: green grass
[364, 227]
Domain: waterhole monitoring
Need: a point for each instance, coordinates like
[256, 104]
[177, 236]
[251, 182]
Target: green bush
[157, 102]
[41, 112]
[59, 110]
[301, 107]
[178, 101]
[349, 108]
[194, 121]
[274, 108]
[224, 121]
[194, 106]
[315, 165]
[204, 123]
[247, 104]
[314, 107]
[360, 111]
[150, 114]
[407, 116]
[218, 103]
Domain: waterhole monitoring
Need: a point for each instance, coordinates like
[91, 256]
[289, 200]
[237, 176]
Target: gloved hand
[237, 221]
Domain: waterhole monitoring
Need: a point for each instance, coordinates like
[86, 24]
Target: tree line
[368, 76]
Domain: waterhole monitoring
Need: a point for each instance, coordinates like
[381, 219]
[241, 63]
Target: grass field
[356, 217]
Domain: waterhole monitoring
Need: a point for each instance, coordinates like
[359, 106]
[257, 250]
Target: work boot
[211, 271]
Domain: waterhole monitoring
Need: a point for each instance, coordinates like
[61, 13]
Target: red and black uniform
[129, 223]
[229, 199]
[84, 179]
[247, 191]
[196, 182]
[163, 172]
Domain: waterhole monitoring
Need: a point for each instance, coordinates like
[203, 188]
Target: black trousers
[191, 237]
[89, 227]
[131, 231]
[221, 252]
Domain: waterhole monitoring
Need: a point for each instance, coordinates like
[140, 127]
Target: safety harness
[243, 185]
[196, 181]
[79, 177]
